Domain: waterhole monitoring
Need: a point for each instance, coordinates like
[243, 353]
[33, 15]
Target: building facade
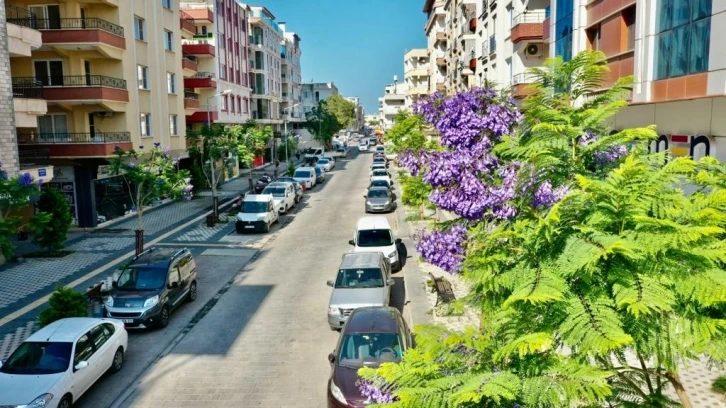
[291, 97]
[416, 74]
[266, 42]
[392, 102]
[359, 111]
[437, 34]
[314, 92]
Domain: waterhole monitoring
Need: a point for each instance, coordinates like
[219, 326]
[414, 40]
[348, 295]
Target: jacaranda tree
[594, 272]
[15, 193]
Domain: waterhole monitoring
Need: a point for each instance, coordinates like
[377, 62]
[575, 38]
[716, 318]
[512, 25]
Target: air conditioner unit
[104, 114]
[533, 50]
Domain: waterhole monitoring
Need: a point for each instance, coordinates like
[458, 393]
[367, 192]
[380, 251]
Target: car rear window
[359, 278]
[302, 174]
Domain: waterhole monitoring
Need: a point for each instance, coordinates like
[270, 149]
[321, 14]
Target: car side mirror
[365, 196]
[331, 358]
[1, 363]
[173, 285]
[114, 284]
[330, 283]
[390, 282]
[81, 365]
[351, 242]
[398, 240]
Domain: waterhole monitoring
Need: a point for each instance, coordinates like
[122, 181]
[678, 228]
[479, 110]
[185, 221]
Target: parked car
[262, 182]
[283, 196]
[374, 233]
[312, 154]
[379, 199]
[379, 160]
[324, 164]
[152, 286]
[257, 213]
[330, 158]
[319, 175]
[305, 176]
[56, 365]
[381, 175]
[363, 279]
[375, 167]
[380, 149]
[371, 336]
[372, 141]
[299, 190]
[362, 146]
[342, 151]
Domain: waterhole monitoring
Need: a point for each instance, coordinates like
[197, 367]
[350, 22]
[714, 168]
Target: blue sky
[358, 44]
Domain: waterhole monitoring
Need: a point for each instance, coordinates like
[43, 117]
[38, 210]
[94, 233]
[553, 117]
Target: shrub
[52, 233]
[64, 302]
[719, 385]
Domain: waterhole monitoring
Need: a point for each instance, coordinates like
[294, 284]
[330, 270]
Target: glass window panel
[679, 51]
[665, 15]
[681, 12]
[700, 40]
[60, 122]
[700, 9]
[663, 55]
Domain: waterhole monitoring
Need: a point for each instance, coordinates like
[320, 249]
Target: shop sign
[64, 174]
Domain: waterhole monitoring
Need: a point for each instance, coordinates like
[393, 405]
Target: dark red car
[370, 337]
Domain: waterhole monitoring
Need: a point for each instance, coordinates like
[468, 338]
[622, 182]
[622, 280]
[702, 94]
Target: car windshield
[374, 238]
[310, 150]
[141, 278]
[377, 193]
[318, 171]
[275, 191]
[35, 357]
[379, 183]
[302, 174]
[323, 161]
[369, 349]
[255, 207]
[359, 278]
[380, 173]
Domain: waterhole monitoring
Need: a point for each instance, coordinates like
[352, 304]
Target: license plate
[130, 321]
[249, 226]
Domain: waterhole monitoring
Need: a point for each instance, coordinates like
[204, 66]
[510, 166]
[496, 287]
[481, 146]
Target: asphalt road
[257, 336]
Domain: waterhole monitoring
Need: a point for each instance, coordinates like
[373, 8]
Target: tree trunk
[675, 379]
[139, 208]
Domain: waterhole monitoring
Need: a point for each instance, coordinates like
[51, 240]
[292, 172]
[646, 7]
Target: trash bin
[210, 220]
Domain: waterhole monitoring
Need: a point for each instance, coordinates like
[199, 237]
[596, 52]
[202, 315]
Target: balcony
[109, 92]
[440, 86]
[441, 36]
[416, 72]
[201, 80]
[83, 34]
[186, 23]
[203, 117]
[95, 144]
[28, 104]
[417, 90]
[528, 26]
[200, 13]
[191, 102]
[546, 24]
[22, 35]
[198, 47]
[189, 65]
[521, 85]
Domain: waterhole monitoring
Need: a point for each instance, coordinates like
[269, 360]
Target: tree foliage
[64, 302]
[15, 193]
[406, 133]
[343, 110]
[329, 117]
[51, 233]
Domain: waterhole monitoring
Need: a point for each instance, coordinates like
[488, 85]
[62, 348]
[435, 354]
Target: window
[142, 76]
[239, 104]
[563, 28]
[224, 103]
[49, 73]
[629, 20]
[145, 119]
[173, 130]
[84, 349]
[100, 335]
[594, 37]
[171, 82]
[231, 106]
[682, 43]
[139, 28]
[168, 40]
[174, 275]
[166, 4]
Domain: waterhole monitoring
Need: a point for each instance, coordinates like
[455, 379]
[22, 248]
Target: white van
[374, 234]
[305, 176]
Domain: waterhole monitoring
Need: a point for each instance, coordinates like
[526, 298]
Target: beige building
[416, 74]
[291, 77]
[437, 33]
[266, 39]
[106, 74]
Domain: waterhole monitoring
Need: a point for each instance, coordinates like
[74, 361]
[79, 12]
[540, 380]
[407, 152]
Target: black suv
[151, 286]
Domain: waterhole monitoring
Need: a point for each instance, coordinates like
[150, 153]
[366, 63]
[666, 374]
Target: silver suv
[363, 279]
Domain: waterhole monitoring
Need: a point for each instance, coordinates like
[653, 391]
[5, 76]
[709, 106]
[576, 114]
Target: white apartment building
[437, 33]
[216, 80]
[416, 74]
[266, 44]
[392, 102]
[314, 92]
[359, 111]
[291, 96]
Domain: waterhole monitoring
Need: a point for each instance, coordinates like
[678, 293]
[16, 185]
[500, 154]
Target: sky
[357, 44]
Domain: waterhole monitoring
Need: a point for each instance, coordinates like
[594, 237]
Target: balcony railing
[28, 90]
[79, 24]
[72, 80]
[20, 16]
[199, 36]
[534, 17]
[191, 95]
[34, 158]
[211, 75]
[197, 40]
[73, 138]
[186, 17]
[523, 78]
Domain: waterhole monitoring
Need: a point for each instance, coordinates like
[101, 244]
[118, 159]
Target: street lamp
[287, 155]
[215, 198]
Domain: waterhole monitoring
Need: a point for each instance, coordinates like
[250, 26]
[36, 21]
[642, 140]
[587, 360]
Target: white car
[381, 173]
[305, 176]
[362, 147]
[283, 195]
[55, 366]
[257, 212]
[324, 164]
[331, 159]
[376, 167]
[374, 234]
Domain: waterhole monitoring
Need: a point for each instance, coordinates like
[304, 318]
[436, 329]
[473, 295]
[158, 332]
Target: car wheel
[164, 317]
[118, 361]
[192, 292]
[65, 402]
[267, 228]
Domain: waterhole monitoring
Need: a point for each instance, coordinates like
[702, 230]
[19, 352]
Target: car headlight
[387, 203]
[369, 203]
[337, 393]
[109, 301]
[43, 401]
[152, 301]
[393, 254]
[333, 310]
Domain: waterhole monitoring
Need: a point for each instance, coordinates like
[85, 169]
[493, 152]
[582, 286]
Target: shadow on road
[402, 253]
[398, 293]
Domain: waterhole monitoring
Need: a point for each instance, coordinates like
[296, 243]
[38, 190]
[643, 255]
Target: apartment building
[291, 97]
[215, 62]
[314, 92]
[392, 102]
[359, 111]
[109, 72]
[437, 34]
[416, 74]
[266, 42]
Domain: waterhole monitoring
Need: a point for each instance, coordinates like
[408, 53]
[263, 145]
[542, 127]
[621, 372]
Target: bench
[444, 291]
[94, 292]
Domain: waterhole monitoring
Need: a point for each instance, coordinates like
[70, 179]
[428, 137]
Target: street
[255, 337]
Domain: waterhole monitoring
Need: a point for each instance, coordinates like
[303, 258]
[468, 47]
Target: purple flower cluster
[545, 196]
[25, 180]
[373, 393]
[611, 154]
[444, 249]
[3, 173]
